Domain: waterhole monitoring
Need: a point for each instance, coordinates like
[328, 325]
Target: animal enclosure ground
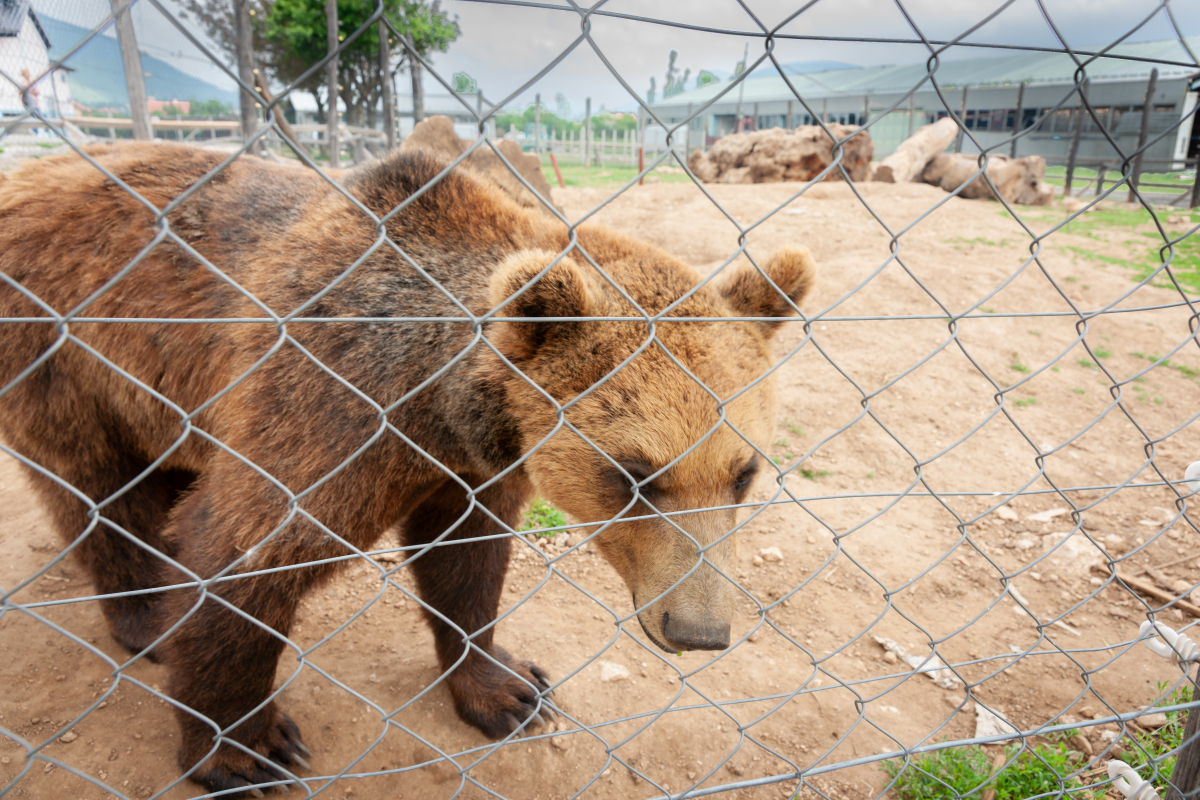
[845, 541]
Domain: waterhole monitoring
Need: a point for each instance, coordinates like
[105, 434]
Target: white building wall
[24, 57]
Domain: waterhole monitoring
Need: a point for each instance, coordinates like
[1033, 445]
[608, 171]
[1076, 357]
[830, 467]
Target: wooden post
[557, 171]
[245, 65]
[825, 109]
[641, 161]
[1074, 151]
[385, 75]
[1147, 107]
[962, 122]
[1012, 147]
[866, 115]
[135, 76]
[912, 112]
[587, 132]
[1100, 172]
[331, 80]
[687, 145]
[791, 120]
[1185, 779]
[1195, 201]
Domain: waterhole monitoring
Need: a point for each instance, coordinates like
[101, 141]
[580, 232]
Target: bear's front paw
[495, 700]
[233, 768]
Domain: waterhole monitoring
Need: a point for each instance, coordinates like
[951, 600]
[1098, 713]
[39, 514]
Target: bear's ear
[791, 269]
[564, 291]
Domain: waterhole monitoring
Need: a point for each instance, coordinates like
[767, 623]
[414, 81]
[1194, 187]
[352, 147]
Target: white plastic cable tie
[1126, 780]
[1192, 476]
[1173, 645]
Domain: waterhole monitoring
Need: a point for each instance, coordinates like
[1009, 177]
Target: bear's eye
[747, 474]
[638, 471]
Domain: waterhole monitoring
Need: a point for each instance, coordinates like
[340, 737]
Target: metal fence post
[1147, 107]
[1017, 123]
[962, 122]
[331, 81]
[1185, 779]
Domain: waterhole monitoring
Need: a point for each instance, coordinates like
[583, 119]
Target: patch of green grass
[1156, 745]
[957, 772]
[1028, 401]
[978, 240]
[791, 425]
[1186, 261]
[1018, 367]
[1101, 353]
[870, 474]
[812, 475]
[1054, 369]
[1079, 391]
[780, 443]
[1182, 369]
[609, 175]
[543, 515]
[1032, 332]
[1083, 362]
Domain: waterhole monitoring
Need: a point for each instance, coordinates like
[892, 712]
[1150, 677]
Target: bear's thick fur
[350, 390]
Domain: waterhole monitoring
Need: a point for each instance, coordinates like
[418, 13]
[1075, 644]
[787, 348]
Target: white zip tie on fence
[1192, 476]
[1173, 645]
[1126, 780]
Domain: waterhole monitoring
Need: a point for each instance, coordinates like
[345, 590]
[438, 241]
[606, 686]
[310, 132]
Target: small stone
[1037, 576]
[560, 743]
[890, 657]
[1181, 586]
[1087, 712]
[68, 737]
[1007, 514]
[811, 540]
[4, 760]
[1082, 745]
[757, 561]
[35, 720]
[691, 774]
[771, 554]
[611, 673]
[1152, 721]
[1024, 544]
[735, 768]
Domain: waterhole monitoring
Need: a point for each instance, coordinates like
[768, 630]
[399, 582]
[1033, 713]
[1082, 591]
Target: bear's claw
[233, 768]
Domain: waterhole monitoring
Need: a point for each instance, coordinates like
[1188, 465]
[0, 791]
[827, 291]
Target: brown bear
[232, 378]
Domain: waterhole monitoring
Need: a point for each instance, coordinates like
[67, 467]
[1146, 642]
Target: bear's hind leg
[463, 582]
[114, 563]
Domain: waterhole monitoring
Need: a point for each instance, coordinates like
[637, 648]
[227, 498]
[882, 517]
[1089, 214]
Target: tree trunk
[910, 158]
[418, 91]
[331, 79]
[385, 84]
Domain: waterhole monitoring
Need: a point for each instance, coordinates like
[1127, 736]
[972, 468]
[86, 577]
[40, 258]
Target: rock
[735, 768]
[1152, 722]
[757, 561]
[436, 134]
[889, 657]
[1020, 180]
[1116, 543]
[1082, 745]
[560, 743]
[1073, 205]
[1046, 516]
[71, 736]
[773, 554]
[988, 723]
[1073, 552]
[1007, 514]
[611, 672]
[1023, 544]
[777, 154]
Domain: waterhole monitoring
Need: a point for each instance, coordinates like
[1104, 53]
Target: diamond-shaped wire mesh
[288, 415]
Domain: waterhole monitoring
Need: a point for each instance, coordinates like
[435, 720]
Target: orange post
[641, 162]
[557, 171]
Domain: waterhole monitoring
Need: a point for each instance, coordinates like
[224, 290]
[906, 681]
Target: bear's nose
[695, 634]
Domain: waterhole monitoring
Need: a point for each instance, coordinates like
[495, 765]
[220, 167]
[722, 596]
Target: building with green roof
[1039, 84]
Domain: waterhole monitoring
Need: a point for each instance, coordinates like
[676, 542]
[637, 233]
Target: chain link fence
[972, 494]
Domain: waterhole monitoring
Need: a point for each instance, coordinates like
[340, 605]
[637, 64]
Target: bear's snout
[683, 633]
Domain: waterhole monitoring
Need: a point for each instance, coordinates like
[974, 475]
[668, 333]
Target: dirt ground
[846, 542]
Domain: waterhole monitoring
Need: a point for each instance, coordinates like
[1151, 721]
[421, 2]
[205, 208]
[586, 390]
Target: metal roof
[12, 17]
[1030, 67]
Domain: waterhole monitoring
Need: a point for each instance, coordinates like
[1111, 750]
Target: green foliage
[1028, 401]
[1102, 353]
[958, 771]
[1182, 369]
[704, 78]
[1083, 362]
[1150, 750]
[812, 475]
[543, 515]
[464, 83]
[674, 83]
[209, 108]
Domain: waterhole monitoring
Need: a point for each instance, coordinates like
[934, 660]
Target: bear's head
[654, 430]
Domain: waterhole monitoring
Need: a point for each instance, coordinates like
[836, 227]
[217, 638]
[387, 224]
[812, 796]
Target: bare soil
[850, 549]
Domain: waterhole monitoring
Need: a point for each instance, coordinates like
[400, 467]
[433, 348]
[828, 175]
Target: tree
[463, 83]
[289, 39]
[650, 94]
[562, 108]
[674, 84]
[704, 78]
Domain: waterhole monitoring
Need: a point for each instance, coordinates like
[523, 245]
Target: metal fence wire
[950, 544]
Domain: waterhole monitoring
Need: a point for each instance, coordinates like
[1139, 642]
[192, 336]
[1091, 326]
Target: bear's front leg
[463, 581]
[222, 668]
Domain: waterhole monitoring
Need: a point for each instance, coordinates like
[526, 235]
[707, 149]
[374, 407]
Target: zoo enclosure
[794, 491]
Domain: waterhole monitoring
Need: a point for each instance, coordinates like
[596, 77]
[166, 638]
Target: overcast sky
[503, 46]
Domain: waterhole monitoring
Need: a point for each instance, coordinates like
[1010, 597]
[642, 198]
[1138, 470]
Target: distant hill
[98, 79]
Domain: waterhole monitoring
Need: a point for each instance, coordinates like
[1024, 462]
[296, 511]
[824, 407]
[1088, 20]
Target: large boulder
[779, 154]
[1019, 180]
[437, 134]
